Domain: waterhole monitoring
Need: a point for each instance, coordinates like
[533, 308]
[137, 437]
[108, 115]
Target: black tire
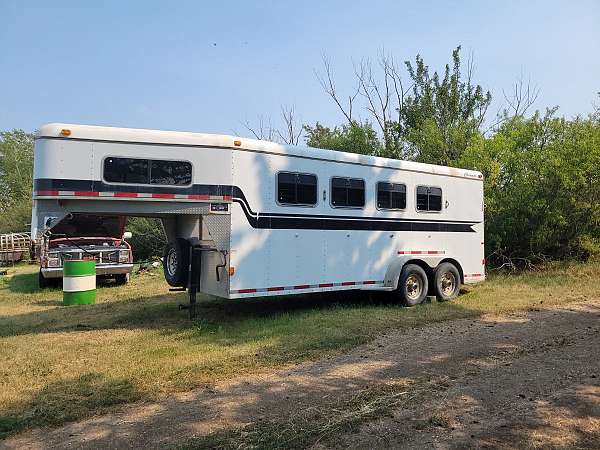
[446, 282]
[413, 285]
[43, 283]
[176, 259]
[121, 278]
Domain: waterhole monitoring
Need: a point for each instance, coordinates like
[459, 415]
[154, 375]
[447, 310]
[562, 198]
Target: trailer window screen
[126, 170]
[347, 192]
[173, 173]
[429, 198]
[391, 196]
[296, 188]
[144, 171]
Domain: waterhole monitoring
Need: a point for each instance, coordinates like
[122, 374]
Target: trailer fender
[392, 275]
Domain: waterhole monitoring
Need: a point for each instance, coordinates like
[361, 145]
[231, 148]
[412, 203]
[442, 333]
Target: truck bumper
[105, 269]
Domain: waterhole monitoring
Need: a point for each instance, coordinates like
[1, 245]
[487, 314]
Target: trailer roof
[184, 138]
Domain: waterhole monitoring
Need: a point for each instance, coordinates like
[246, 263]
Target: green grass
[60, 364]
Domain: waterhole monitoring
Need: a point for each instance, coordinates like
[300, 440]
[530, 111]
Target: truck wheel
[412, 285]
[122, 278]
[447, 282]
[176, 259]
[42, 282]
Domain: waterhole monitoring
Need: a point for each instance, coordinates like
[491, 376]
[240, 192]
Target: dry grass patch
[64, 363]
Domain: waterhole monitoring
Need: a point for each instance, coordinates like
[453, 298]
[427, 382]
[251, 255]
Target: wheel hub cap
[172, 262]
[448, 283]
[413, 287]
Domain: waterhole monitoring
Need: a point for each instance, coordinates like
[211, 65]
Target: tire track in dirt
[507, 380]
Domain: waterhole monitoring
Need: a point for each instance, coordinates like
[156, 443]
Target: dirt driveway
[528, 380]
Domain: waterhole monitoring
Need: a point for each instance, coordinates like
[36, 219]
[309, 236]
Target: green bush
[542, 187]
[148, 239]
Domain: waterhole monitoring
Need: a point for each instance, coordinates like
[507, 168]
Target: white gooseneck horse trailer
[248, 218]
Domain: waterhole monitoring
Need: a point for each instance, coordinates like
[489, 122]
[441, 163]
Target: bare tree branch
[290, 133]
[522, 97]
[293, 130]
[263, 131]
[328, 85]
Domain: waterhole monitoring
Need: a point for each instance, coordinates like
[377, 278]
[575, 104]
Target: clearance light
[231, 271]
[65, 132]
[237, 143]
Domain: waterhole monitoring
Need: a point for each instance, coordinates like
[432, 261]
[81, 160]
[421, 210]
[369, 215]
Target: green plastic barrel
[79, 282]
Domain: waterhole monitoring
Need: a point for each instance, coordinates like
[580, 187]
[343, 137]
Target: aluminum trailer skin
[269, 219]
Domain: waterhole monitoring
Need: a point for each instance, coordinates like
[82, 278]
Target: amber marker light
[65, 132]
[231, 271]
[237, 143]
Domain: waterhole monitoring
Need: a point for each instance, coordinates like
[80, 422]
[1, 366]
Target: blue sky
[208, 66]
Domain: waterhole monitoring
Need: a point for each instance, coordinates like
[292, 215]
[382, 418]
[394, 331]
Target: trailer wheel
[176, 259]
[412, 285]
[121, 278]
[447, 282]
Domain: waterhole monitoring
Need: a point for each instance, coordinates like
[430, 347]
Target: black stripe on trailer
[286, 221]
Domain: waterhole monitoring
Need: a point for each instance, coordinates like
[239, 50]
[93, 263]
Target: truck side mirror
[127, 235]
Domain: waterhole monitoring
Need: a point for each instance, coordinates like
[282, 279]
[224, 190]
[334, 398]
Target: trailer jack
[194, 276]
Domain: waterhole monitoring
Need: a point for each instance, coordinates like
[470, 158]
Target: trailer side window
[429, 198]
[173, 173]
[143, 171]
[126, 170]
[296, 188]
[347, 192]
[391, 195]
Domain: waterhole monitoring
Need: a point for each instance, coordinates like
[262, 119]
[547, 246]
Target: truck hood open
[90, 225]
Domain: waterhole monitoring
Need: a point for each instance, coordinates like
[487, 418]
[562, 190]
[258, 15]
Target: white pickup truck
[86, 236]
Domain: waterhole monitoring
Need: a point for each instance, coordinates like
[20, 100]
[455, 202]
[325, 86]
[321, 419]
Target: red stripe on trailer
[421, 252]
[163, 195]
[125, 194]
[87, 193]
[199, 197]
[305, 286]
[227, 198]
[45, 193]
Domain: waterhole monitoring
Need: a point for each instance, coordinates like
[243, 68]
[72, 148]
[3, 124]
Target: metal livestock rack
[14, 247]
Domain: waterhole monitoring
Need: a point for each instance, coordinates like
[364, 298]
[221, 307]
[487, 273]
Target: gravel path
[523, 380]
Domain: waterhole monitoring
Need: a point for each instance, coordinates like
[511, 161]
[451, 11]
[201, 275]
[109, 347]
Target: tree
[16, 180]
[148, 240]
[432, 119]
[290, 133]
[443, 114]
[542, 187]
[354, 137]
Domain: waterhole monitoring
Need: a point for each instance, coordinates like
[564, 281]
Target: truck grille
[101, 257]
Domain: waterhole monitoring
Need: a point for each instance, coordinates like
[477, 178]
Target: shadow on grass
[161, 312]
[27, 283]
[67, 400]
[24, 283]
[312, 404]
